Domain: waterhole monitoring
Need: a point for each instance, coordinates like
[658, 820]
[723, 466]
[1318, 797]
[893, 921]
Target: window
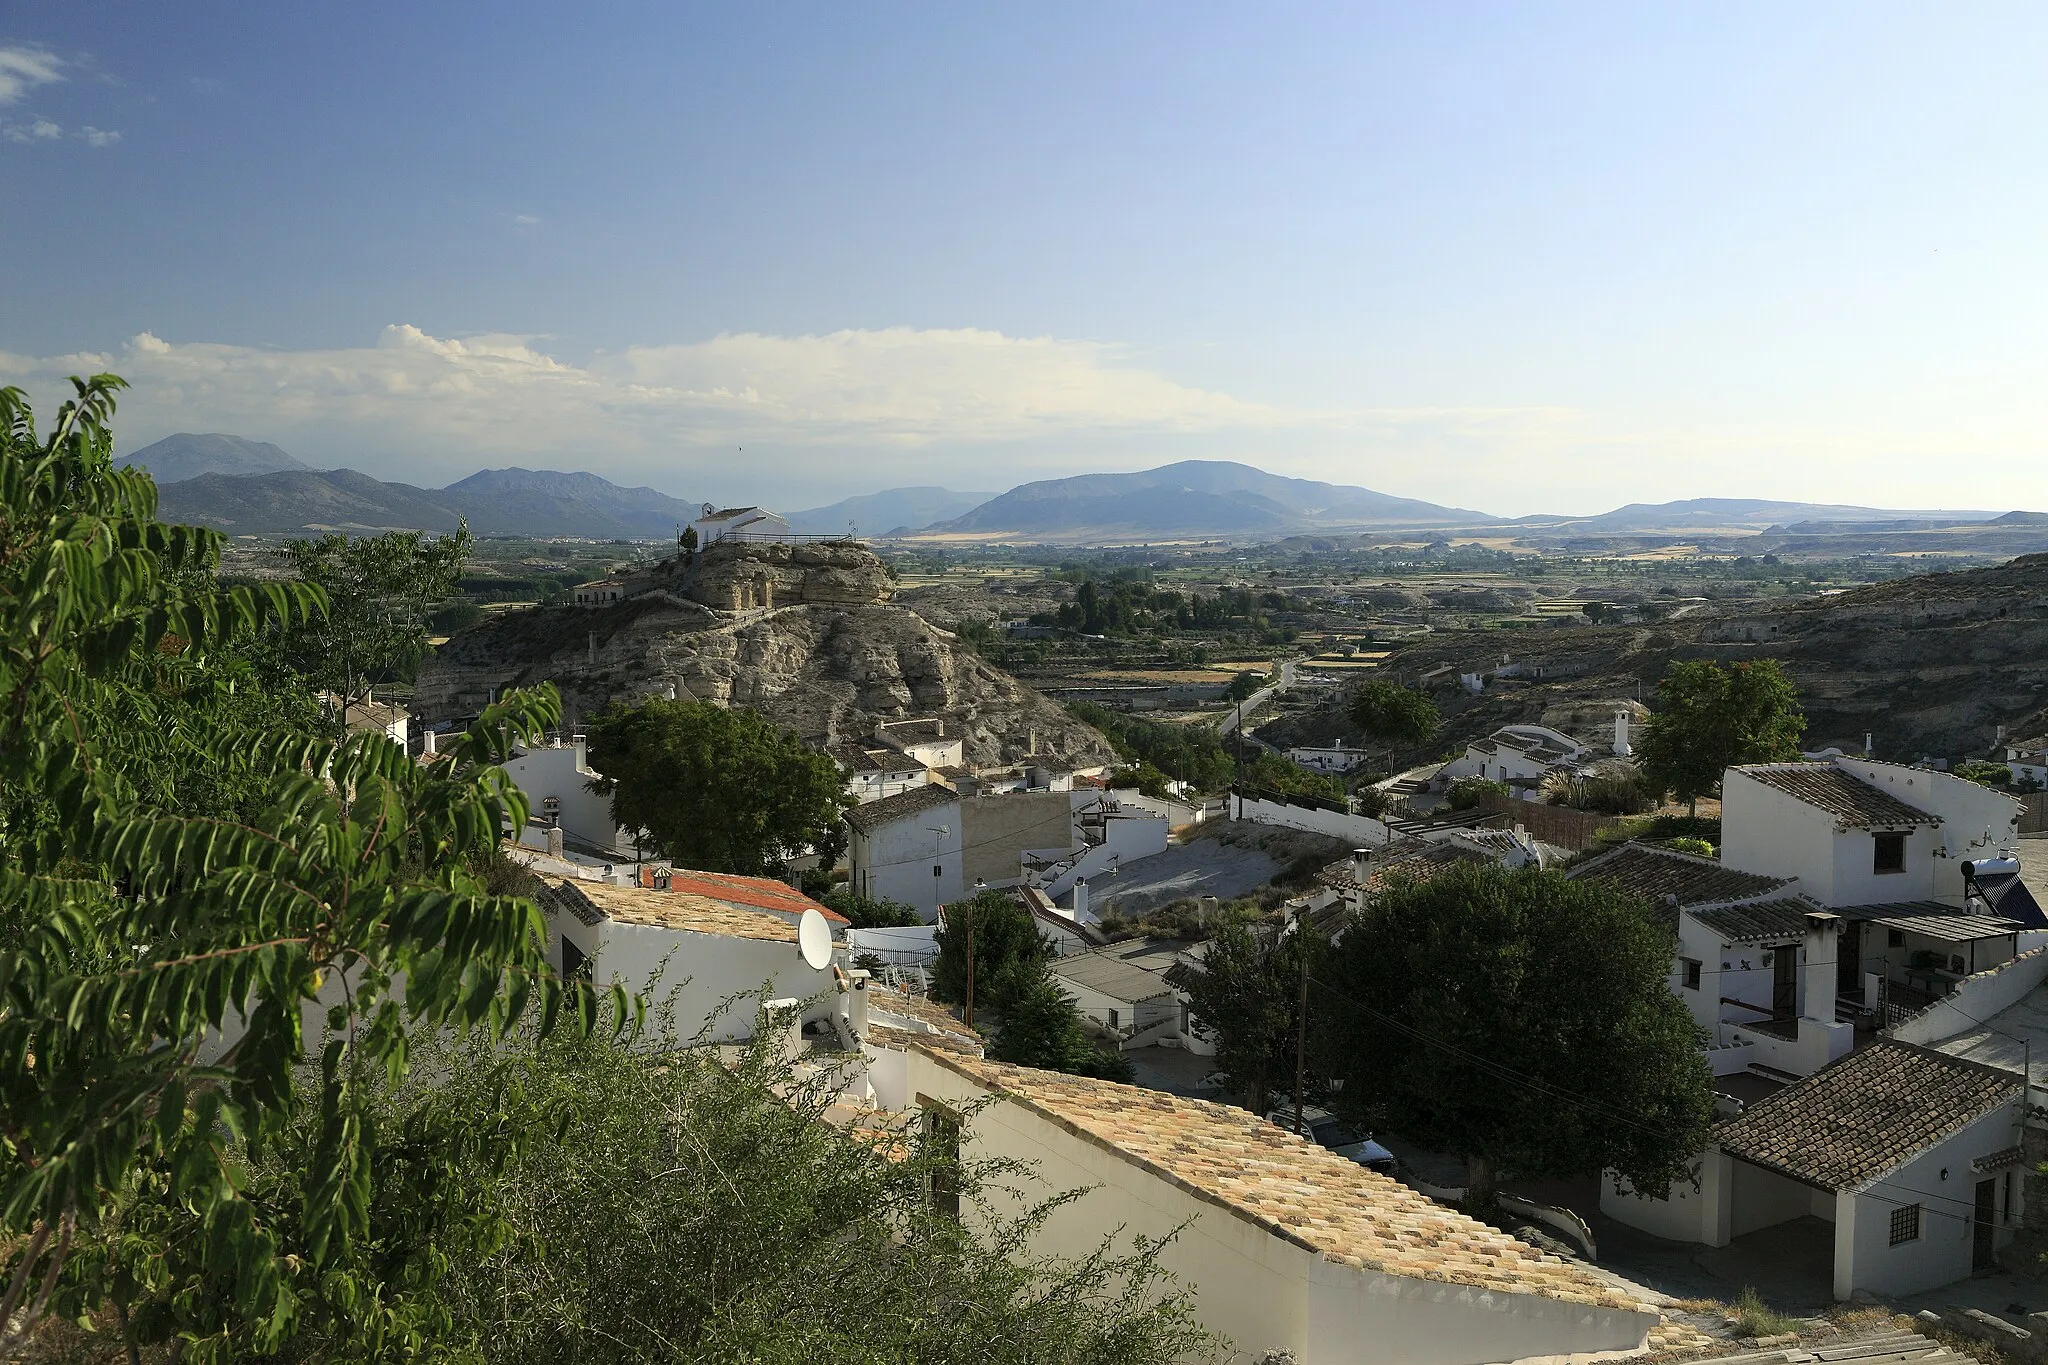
[1890, 855]
[1112, 1019]
[1691, 969]
[1894, 938]
[1905, 1224]
[574, 961]
[942, 1127]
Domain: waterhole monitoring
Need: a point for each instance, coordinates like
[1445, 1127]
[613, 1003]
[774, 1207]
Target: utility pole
[1300, 1028]
[968, 1014]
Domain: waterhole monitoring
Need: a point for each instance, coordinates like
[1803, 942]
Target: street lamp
[967, 1015]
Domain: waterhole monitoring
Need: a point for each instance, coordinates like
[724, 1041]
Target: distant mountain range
[187, 455]
[1191, 500]
[253, 488]
[888, 512]
[519, 502]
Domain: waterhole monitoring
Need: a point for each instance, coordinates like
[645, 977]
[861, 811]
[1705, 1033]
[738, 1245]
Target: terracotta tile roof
[1849, 1123]
[1772, 921]
[1422, 865]
[921, 1008]
[1855, 804]
[1290, 1187]
[1657, 874]
[678, 910]
[760, 893]
[888, 1035]
[875, 814]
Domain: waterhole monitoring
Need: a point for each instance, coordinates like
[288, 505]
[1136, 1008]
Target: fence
[2034, 813]
[1560, 825]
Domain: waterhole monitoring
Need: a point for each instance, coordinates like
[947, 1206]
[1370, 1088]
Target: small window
[1955, 963]
[1112, 1019]
[1691, 969]
[1895, 938]
[1890, 855]
[575, 962]
[1905, 1224]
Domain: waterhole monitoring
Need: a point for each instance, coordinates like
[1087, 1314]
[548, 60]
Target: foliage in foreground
[1247, 993]
[159, 969]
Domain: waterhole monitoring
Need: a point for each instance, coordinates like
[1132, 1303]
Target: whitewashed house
[1519, 755]
[924, 740]
[737, 523]
[1327, 758]
[1293, 1248]
[907, 848]
[556, 779]
[1914, 1156]
[599, 592]
[2027, 760]
[705, 959]
[1121, 989]
[874, 772]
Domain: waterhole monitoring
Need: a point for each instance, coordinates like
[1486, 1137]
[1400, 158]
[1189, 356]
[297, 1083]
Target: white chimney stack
[1080, 897]
[1817, 977]
[1621, 748]
[428, 740]
[1868, 747]
[554, 841]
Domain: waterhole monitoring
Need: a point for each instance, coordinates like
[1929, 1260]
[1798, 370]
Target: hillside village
[1858, 948]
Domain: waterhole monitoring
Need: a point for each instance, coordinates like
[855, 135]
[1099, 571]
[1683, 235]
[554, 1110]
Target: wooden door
[1984, 1227]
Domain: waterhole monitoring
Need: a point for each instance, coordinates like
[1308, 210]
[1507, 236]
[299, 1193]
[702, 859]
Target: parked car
[1327, 1130]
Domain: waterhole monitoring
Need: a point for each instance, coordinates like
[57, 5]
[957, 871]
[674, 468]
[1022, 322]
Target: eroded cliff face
[830, 667]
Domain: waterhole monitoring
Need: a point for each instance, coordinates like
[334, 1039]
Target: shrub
[1466, 792]
[1984, 771]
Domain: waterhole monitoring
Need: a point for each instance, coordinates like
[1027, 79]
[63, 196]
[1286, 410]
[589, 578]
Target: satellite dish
[814, 940]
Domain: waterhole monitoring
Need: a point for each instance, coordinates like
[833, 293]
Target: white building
[2027, 759]
[1331, 758]
[1913, 1155]
[738, 523]
[924, 740]
[1519, 755]
[1122, 990]
[1858, 832]
[1292, 1247]
[556, 780]
[907, 848]
[874, 773]
[600, 592]
[704, 959]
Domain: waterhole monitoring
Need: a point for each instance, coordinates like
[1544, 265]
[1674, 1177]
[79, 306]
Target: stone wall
[739, 576]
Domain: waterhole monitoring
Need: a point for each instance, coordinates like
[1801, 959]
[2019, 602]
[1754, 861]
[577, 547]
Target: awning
[1951, 928]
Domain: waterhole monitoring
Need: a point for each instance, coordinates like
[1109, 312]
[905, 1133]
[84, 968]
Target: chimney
[1361, 863]
[1621, 748]
[1817, 983]
[427, 742]
[857, 1003]
[939, 728]
[554, 841]
[1080, 897]
[1868, 748]
[593, 649]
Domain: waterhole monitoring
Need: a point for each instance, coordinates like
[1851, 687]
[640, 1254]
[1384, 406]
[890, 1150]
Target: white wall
[1688, 1213]
[895, 862]
[1764, 1199]
[1943, 1252]
[1363, 831]
[1975, 998]
[698, 973]
[1133, 1016]
[1771, 832]
[564, 774]
[1976, 822]
[1263, 1292]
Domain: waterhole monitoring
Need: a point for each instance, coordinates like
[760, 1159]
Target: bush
[869, 914]
[1466, 792]
[1600, 793]
[455, 616]
[1984, 771]
[1698, 847]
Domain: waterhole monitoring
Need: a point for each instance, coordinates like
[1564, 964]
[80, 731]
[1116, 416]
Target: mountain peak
[188, 454]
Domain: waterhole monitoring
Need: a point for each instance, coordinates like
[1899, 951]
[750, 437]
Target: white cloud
[22, 69]
[525, 221]
[842, 411]
[98, 137]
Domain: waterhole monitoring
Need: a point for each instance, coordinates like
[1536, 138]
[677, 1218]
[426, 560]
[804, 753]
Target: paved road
[1258, 698]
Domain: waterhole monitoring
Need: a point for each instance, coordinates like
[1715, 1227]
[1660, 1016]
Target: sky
[1521, 258]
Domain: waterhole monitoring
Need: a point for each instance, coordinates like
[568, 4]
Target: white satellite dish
[814, 940]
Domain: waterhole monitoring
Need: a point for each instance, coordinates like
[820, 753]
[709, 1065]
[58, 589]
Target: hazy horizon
[1524, 262]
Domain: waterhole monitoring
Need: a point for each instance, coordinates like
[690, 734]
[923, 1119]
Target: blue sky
[1514, 257]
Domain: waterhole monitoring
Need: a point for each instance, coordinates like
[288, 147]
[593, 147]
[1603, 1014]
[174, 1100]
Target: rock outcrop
[802, 633]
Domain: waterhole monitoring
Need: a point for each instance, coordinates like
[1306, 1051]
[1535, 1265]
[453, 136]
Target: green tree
[1039, 1026]
[1247, 993]
[716, 788]
[1395, 714]
[156, 966]
[1520, 1019]
[381, 593]
[863, 913]
[1005, 938]
[1243, 685]
[1711, 717]
[1986, 771]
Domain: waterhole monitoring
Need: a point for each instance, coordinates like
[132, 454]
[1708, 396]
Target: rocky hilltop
[1928, 666]
[803, 633]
